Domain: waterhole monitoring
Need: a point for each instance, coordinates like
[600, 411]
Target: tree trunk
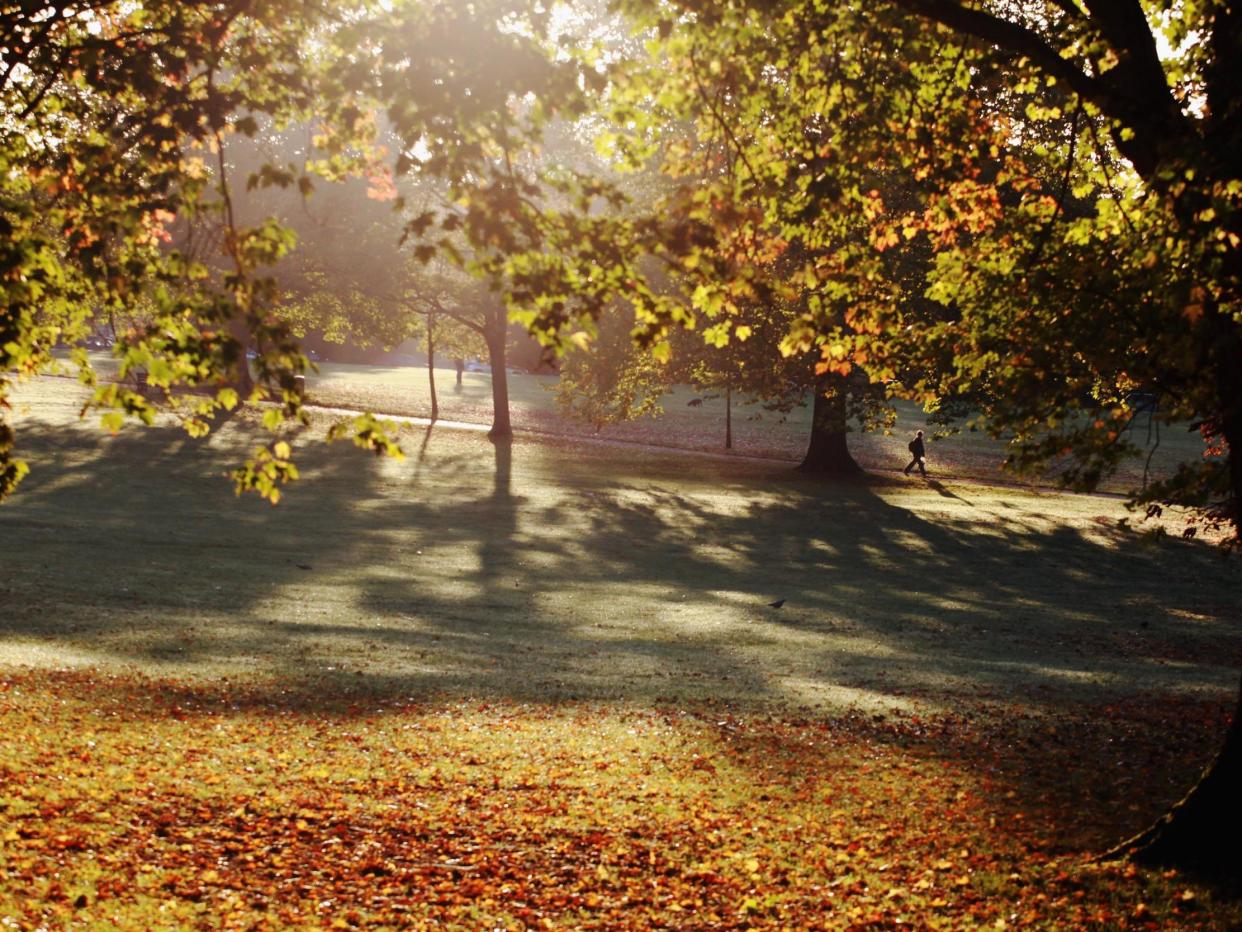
[495, 337]
[728, 417]
[243, 381]
[1203, 832]
[431, 363]
[828, 452]
[461, 366]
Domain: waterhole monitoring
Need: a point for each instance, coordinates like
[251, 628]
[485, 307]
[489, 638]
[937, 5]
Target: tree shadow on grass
[539, 574]
[561, 581]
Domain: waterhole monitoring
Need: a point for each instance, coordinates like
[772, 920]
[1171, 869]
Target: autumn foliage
[142, 802]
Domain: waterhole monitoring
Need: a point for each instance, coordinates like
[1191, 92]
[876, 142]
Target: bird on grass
[777, 604]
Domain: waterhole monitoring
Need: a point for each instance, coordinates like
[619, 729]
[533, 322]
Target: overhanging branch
[1012, 37]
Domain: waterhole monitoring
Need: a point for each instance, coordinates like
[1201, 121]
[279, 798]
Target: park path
[714, 455]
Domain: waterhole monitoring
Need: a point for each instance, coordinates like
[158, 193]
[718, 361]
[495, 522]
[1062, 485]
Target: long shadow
[944, 490]
[532, 573]
[454, 581]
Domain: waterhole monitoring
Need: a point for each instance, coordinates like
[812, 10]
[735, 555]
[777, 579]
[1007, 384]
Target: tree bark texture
[828, 452]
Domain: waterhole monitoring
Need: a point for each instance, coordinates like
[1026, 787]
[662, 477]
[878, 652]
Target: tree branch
[1011, 37]
[720, 121]
[1134, 91]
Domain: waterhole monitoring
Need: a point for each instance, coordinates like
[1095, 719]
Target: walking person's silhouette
[917, 451]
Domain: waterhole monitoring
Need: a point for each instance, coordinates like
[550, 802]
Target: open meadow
[543, 685]
[695, 420]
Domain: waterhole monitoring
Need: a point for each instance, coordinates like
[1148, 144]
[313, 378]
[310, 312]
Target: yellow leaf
[281, 449]
[752, 865]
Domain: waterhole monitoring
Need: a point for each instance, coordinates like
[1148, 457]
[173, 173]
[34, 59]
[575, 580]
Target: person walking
[917, 451]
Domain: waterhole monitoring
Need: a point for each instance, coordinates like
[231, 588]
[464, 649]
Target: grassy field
[541, 685]
[404, 390]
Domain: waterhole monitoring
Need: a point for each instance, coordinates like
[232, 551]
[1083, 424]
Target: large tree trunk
[828, 452]
[1204, 831]
[495, 337]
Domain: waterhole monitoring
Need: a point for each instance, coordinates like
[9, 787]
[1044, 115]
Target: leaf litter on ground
[141, 802]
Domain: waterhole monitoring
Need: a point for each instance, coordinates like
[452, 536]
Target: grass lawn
[541, 685]
[404, 390]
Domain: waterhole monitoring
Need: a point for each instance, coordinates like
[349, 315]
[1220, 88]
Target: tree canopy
[1033, 210]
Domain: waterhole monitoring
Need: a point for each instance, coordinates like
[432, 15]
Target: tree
[713, 252]
[475, 317]
[118, 117]
[605, 379]
[1172, 248]
[1072, 197]
[755, 363]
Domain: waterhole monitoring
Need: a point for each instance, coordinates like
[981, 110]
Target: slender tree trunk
[431, 363]
[461, 366]
[828, 452]
[495, 336]
[728, 417]
[243, 381]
